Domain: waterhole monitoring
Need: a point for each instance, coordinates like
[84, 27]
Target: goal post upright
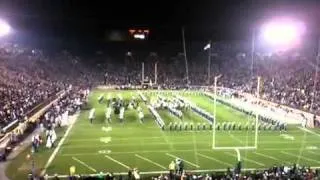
[257, 114]
[214, 112]
[236, 148]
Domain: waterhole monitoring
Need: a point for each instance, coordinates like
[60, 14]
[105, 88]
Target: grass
[148, 148]
[20, 167]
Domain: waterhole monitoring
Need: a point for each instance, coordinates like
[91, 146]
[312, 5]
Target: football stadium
[160, 126]
[159, 91]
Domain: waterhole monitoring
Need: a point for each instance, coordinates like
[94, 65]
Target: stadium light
[4, 28]
[282, 32]
[129, 53]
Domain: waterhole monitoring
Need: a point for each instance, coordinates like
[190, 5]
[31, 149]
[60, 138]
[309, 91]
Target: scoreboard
[139, 34]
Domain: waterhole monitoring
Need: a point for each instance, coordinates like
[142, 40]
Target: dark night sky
[91, 21]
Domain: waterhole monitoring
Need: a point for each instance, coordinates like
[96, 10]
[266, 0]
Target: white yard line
[130, 144]
[165, 151]
[150, 161]
[159, 143]
[266, 156]
[234, 138]
[195, 148]
[164, 136]
[311, 152]
[74, 139]
[309, 131]
[214, 159]
[192, 164]
[302, 157]
[116, 161]
[131, 138]
[84, 164]
[246, 159]
[53, 155]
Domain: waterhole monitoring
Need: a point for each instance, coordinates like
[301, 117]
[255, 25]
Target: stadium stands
[29, 77]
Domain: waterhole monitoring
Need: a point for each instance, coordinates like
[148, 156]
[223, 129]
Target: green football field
[117, 147]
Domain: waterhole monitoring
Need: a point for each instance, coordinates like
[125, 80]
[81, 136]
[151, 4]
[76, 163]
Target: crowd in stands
[276, 172]
[29, 77]
[287, 77]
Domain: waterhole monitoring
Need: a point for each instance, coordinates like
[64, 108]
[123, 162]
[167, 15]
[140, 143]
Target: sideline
[84, 164]
[73, 119]
[16, 151]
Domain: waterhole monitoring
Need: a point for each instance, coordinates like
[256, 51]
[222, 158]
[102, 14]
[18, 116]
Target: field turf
[117, 147]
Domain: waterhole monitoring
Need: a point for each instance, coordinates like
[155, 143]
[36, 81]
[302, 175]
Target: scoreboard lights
[139, 34]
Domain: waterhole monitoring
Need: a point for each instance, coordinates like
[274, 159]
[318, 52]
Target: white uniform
[180, 114]
[130, 106]
[121, 115]
[51, 138]
[108, 114]
[139, 108]
[92, 114]
[100, 98]
[141, 116]
[304, 122]
[49, 142]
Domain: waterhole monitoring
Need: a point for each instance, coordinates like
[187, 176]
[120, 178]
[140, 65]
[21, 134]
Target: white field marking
[311, 152]
[166, 150]
[287, 136]
[195, 148]
[214, 159]
[127, 144]
[164, 136]
[164, 143]
[312, 147]
[105, 139]
[84, 164]
[160, 137]
[246, 159]
[234, 138]
[192, 164]
[150, 161]
[54, 153]
[104, 151]
[266, 156]
[309, 131]
[234, 147]
[116, 161]
[106, 129]
[305, 158]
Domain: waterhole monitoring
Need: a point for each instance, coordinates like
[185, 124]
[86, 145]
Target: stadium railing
[31, 112]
